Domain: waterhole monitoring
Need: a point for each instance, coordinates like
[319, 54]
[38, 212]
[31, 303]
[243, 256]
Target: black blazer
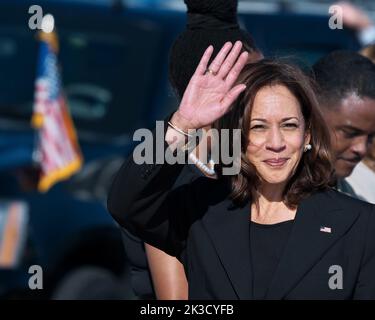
[140, 276]
[199, 224]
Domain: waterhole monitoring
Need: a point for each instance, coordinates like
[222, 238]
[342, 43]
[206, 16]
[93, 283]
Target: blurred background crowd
[108, 71]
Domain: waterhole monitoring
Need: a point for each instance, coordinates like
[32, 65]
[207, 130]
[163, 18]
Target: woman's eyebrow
[282, 120]
[289, 118]
[259, 119]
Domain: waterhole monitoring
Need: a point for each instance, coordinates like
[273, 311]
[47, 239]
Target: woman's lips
[276, 162]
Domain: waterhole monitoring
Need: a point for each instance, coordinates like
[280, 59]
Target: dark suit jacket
[135, 250]
[199, 224]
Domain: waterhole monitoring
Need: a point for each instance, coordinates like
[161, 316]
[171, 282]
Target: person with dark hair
[276, 230]
[208, 22]
[362, 178]
[361, 182]
[346, 94]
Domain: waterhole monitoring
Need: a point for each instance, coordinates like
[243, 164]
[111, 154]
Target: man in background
[346, 93]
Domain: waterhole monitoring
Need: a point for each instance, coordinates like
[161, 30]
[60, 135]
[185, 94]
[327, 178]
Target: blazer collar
[229, 230]
[307, 243]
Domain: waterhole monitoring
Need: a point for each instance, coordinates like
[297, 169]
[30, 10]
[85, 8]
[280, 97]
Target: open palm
[210, 92]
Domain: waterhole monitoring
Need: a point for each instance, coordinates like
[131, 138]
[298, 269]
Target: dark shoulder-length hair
[314, 171]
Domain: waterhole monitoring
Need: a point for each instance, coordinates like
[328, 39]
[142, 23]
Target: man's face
[352, 126]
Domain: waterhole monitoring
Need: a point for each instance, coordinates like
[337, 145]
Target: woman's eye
[290, 125]
[258, 126]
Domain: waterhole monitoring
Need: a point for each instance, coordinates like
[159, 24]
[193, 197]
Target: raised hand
[211, 90]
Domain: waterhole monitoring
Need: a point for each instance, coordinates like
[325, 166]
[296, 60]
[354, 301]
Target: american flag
[325, 229]
[57, 151]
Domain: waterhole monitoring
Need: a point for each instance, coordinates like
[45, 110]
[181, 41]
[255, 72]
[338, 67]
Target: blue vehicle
[102, 57]
[114, 69]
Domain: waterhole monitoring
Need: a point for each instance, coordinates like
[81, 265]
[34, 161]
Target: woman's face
[277, 134]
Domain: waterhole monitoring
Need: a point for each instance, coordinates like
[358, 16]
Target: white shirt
[362, 180]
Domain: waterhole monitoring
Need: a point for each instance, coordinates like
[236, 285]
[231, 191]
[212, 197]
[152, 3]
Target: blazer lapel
[229, 231]
[307, 243]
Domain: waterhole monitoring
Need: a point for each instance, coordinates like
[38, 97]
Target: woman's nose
[276, 142]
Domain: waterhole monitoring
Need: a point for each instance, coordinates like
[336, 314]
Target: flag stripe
[57, 145]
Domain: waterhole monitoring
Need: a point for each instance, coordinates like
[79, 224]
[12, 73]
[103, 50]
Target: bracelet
[209, 170]
[179, 130]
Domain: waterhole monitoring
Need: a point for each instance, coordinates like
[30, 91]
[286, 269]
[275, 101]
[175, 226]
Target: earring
[308, 147]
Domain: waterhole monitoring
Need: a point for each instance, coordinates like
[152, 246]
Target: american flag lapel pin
[325, 229]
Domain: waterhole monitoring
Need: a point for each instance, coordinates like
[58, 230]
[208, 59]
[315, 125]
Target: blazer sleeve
[365, 289]
[143, 200]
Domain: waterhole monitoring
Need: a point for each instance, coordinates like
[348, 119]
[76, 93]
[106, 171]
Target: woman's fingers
[230, 60]
[237, 68]
[215, 92]
[202, 67]
[231, 96]
[219, 59]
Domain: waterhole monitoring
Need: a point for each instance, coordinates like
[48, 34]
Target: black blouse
[267, 243]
